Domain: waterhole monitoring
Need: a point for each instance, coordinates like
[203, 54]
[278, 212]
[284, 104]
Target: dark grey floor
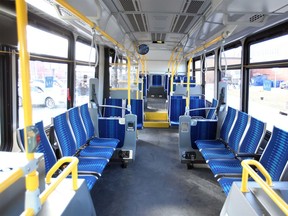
[157, 183]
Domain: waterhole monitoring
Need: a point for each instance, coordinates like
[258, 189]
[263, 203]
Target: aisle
[157, 183]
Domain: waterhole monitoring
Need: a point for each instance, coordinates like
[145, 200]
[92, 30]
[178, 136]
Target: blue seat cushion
[209, 154]
[201, 144]
[97, 152]
[225, 166]
[104, 142]
[92, 165]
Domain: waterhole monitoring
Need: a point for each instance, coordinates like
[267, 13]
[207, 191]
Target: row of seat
[240, 138]
[74, 132]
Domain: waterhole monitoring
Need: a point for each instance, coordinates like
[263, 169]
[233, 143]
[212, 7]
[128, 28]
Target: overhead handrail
[266, 186]
[82, 17]
[208, 44]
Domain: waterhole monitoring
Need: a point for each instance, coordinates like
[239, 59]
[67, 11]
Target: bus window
[48, 85]
[198, 73]
[210, 77]
[48, 80]
[86, 54]
[268, 97]
[232, 57]
[270, 50]
[82, 75]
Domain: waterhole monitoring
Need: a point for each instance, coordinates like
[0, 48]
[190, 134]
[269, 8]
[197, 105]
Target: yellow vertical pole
[32, 181]
[174, 68]
[129, 82]
[188, 84]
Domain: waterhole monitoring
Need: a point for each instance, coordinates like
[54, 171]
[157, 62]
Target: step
[156, 124]
[156, 116]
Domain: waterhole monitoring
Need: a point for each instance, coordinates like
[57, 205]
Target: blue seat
[224, 132]
[248, 147]
[233, 142]
[274, 159]
[90, 130]
[81, 138]
[49, 155]
[67, 146]
[156, 80]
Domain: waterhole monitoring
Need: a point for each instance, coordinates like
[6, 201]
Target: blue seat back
[211, 112]
[43, 147]
[87, 120]
[227, 124]
[138, 110]
[177, 108]
[275, 155]
[110, 111]
[111, 128]
[77, 126]
[253, 136]
[192, 82]
[64, 135]
[238, 131]
[156, 80]
[195, 104]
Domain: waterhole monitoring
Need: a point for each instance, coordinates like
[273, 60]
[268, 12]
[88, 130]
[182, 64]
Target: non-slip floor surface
[157, 183]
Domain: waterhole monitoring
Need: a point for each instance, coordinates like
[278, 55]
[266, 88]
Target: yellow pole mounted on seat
[266, 186]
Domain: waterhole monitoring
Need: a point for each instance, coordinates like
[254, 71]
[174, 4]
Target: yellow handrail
[13, 177]
[174, 68]
[129, 82]
[137, 82]
[266, 186]
[208, 44]
[72, 167]
[188, 84]
[78, 14]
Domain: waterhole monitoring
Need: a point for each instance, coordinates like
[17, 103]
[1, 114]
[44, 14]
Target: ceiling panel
[162, 6]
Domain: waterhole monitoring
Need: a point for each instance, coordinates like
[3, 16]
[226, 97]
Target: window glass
[210, 61]
[42, 42]
[198, 64]
[209, 85]
[233, 79]
[268, 96]
[269, 50]
[83, 74]
[85, 53]
[48, 91]
[232, 56]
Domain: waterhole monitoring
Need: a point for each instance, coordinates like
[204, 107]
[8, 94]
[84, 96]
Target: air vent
[179, 24]
[186, 24]
[137, 5]
[127, 5]
[194, 6]
[185, 6]
[145, 22]
[140, 22]
[259, 18]
[133, 22]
